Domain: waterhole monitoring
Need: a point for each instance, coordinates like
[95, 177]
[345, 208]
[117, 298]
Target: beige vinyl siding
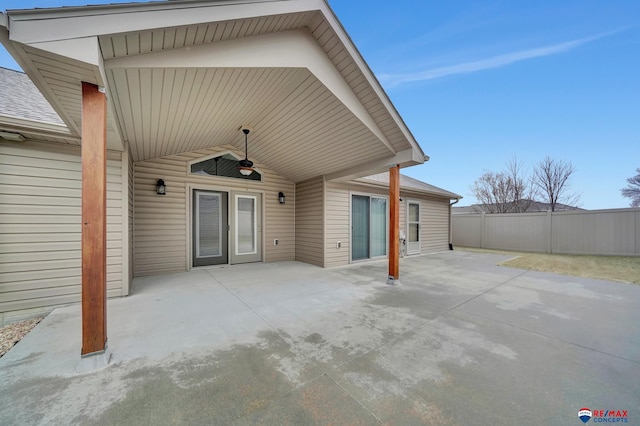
[115, 218]
[337, 219]
[310, 221]
[126, 212]
[40, 225]
[434, 224]
[434, 219]
[337, 211]
[130, 203]
[161, 228]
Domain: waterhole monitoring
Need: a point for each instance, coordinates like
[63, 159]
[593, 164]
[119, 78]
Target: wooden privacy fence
[613, 232]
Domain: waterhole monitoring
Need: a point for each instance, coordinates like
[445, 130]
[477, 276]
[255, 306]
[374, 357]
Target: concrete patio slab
[460, 341]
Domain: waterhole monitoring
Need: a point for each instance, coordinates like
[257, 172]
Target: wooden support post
[394, 222]
[94, 220]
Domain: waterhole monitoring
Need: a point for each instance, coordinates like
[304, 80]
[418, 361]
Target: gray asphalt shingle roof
[407, 182]
[20, 98]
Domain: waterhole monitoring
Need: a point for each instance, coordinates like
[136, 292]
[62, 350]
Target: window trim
[220, 154]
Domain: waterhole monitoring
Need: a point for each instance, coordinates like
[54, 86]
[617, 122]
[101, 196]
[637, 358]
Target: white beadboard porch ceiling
[307, 121]
[296, 120]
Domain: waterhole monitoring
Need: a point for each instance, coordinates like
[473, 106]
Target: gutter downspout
[451, 223]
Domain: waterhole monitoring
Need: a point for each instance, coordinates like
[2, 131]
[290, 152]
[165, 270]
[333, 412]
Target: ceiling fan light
[245, 171]
[245, 166]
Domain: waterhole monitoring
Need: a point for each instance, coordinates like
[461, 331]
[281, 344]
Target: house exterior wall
[161, 223]
[130, 204]
[338, 220]
[40, 227]
[434, 220]
[310, 222]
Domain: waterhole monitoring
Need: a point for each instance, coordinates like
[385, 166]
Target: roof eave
[103, 9]
[449, 196]
[375, 83]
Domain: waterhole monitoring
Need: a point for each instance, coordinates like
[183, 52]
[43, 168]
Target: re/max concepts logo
[603, 416]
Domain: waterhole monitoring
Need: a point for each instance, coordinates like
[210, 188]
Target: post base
[93, 362]
[392, 281]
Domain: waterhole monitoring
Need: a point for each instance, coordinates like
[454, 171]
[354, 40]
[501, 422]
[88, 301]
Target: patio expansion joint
[453, 308]
[557, 339]
[361, 404]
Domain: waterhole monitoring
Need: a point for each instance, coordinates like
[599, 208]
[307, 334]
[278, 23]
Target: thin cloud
[494, 62]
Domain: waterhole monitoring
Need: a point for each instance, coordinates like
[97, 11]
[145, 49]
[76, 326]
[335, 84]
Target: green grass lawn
[614, 268]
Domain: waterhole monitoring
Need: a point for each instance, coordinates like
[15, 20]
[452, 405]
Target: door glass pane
[209, 225]
[246, 225]
[414, 222]
[414, 233]
[360, 227]
[414, 212]
[378, 227]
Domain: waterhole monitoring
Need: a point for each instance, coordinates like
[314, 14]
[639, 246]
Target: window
[225, 165]
[368, 227]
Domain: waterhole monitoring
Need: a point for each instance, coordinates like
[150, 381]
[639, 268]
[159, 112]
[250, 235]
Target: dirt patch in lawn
[614, 268]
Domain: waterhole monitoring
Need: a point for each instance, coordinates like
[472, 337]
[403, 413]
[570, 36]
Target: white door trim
[415, 247]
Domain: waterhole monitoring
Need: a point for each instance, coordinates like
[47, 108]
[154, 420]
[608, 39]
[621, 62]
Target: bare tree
[523, 190]
[633, 189]
[493, 191]
[551, 177]
[509, 191]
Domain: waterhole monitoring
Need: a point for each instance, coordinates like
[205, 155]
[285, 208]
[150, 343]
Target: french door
[226, 227]
[210, 228]
[368, 227]
[246, 227]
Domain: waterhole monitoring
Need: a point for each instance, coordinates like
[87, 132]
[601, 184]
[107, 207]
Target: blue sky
[479, 82]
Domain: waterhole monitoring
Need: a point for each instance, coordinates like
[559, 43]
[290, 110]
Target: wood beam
[394, 222]
[94, 220]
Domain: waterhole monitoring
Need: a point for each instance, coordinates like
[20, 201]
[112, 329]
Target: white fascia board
[3, 20]
[404, 158]
[34, 26]
[84, 49]
[118, 136]
[41, 128]
[285, 49]
[404, 190]
[22, 58]
[333, 21]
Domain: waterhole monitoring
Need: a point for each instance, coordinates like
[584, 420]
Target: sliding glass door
[368, 227]
[360, 240]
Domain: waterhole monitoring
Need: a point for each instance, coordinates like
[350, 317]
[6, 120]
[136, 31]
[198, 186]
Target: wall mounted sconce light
[281, 197]
[161, 188]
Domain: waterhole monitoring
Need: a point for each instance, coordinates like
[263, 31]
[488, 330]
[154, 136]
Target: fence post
[637, 229]
[549, 248]
[482, 232]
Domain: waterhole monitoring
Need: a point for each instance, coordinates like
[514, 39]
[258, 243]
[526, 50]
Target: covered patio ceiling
[183, 76]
